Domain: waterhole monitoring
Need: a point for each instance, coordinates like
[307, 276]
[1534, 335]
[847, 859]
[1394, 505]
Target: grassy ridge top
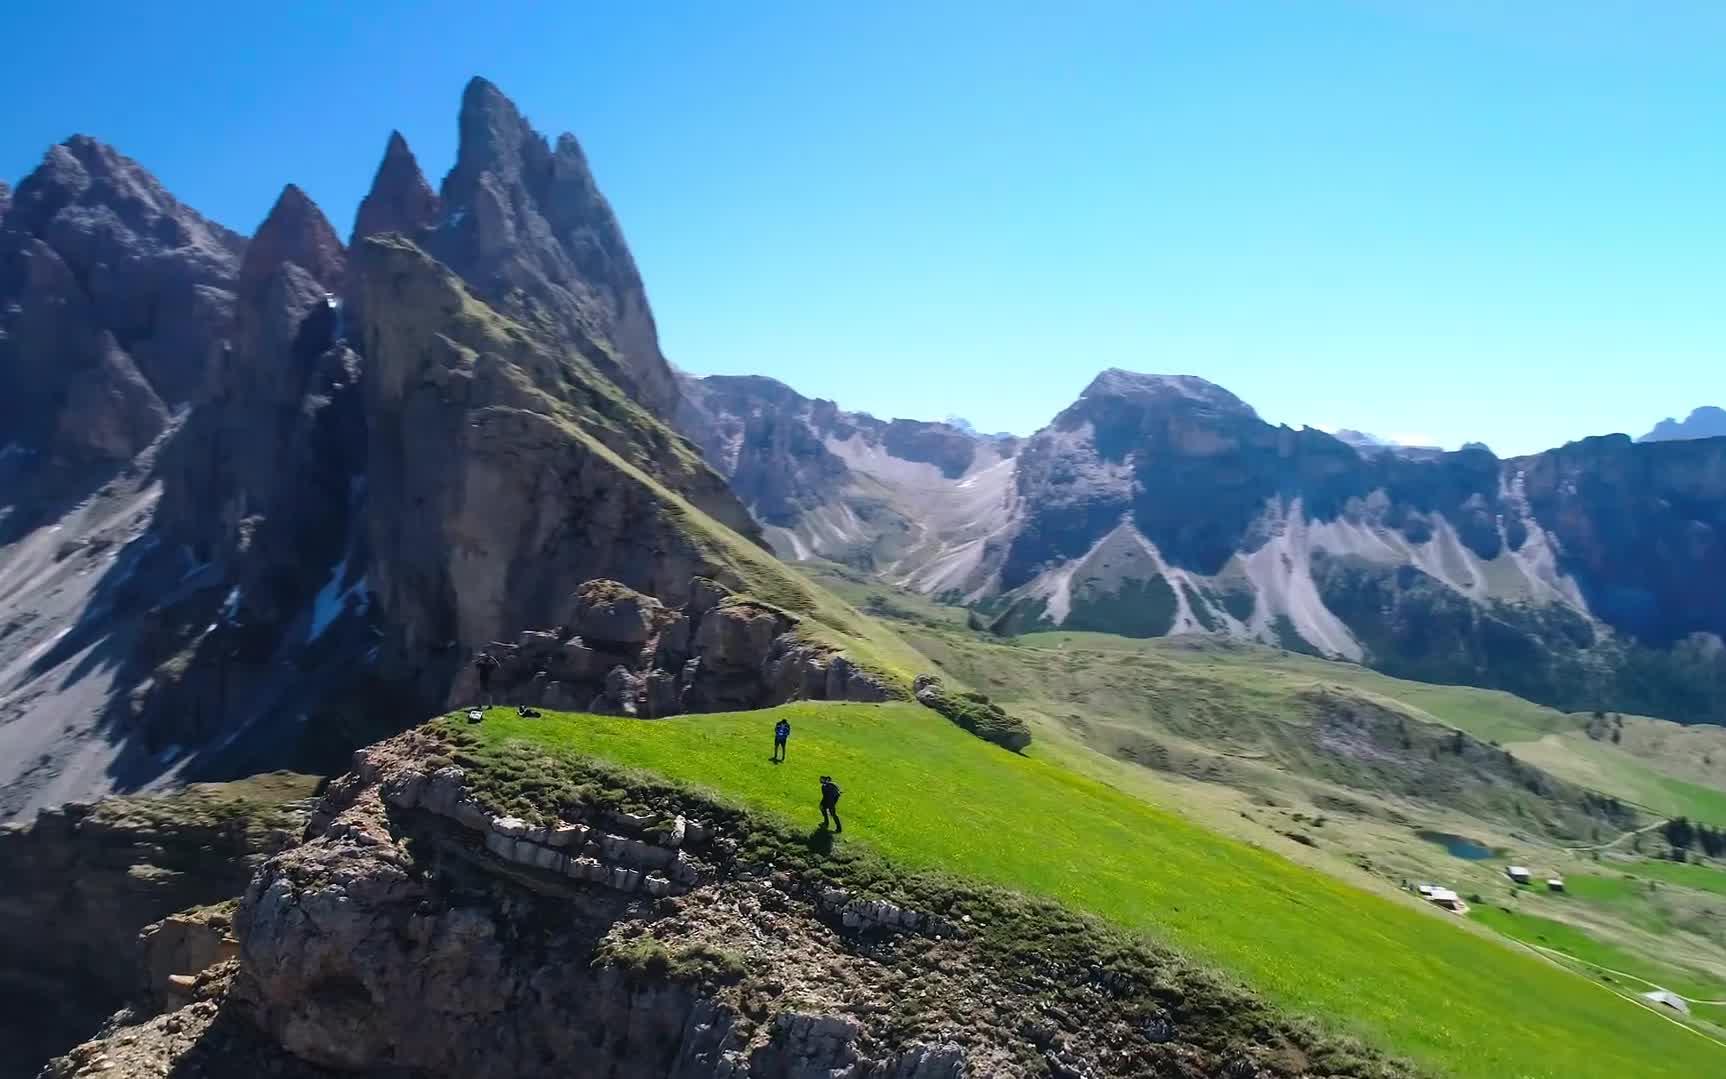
[928, 795]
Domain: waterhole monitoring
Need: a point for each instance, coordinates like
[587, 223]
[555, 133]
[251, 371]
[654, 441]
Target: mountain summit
[525, 224]
[400, 200]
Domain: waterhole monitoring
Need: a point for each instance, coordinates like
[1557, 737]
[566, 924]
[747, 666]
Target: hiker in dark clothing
[485, 665]
[830, 803]
[781, 733]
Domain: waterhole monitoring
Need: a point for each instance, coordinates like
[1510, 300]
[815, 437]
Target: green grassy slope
[928, 795]
[1571, 941]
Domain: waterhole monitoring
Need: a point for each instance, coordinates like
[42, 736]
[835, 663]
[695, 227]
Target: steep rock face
[79, 883]
[1641, 528]
[1707, 421]
[262, 488]
[526, 226]
[618, 652]
[113, 296]
[504, 473]
[922, 503]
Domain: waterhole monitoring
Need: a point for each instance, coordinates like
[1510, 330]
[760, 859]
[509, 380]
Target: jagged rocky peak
[400, 200]
[528, 229]
[112, 297]
[83, 183]
[295, 231]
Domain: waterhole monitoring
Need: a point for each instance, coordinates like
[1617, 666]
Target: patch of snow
[332, 600]
[170, 754]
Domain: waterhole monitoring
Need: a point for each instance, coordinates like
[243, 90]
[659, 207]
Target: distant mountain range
[1593, 575]
[1705, 422]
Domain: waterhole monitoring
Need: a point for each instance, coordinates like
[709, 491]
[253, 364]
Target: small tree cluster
[1684, 834]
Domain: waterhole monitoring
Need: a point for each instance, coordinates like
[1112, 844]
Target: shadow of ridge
[232, 1045]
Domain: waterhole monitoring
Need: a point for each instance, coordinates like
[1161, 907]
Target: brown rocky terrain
[618, 652]
[419, 930]
[80, 883]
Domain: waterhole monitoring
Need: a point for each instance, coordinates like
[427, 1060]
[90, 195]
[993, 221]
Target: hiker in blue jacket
[781, 734]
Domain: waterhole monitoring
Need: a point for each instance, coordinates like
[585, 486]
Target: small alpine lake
[1460, 846]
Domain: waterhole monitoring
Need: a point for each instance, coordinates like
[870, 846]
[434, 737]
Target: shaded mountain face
[254, 487]
[112, 298]
[1707, 421]
[1589, 576]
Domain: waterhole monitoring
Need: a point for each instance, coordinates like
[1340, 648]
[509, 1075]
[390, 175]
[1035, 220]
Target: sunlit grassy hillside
[927, 795]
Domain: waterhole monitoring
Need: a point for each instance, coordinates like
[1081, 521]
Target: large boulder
[739, 635]
[609, 613]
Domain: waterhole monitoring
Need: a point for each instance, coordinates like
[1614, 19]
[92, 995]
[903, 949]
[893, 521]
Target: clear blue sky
[1412, 217]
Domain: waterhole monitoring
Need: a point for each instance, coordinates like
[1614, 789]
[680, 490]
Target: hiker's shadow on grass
[819, 840]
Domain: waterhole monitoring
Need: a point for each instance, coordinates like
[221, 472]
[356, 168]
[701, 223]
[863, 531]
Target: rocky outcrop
[80, 883]
[113, 298]
[526, 226]
[973, 712]
[618, 652]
